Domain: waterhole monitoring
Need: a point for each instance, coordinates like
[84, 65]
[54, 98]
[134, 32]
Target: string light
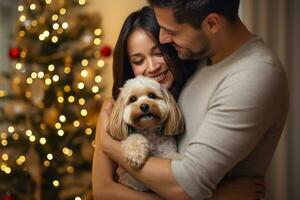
[62, 11]
[55, 183]
[46, 163]
[81, 2]
[4, 143]
[97, 97]
[18, 66]
[62, 118]
[67, 70]
[84, 73]
[67, 151]
[54, 17]
[43, 126]
[49, 156]
[28, 94]
[97, 41]
[3, 136]
[5, 157]
[23, 54]
[71, 99]
[65, 25]
[84, 62]
[22, 18]
[55, 26]
[98, 79]
[60, 133]
[81, 101]
[34, 23]
[88, 131]
[48, 81]
[51, 67]
[60, 30]
[29, 80]
[67, 88]
[98, 32]
[60, 99]
[100, 63]
[54, 39]
[77, 198]
[83, 112]
[33, 75]
[70, 169]
[43, 140]
[11, 129]
[32, 6]
[95, 89]
[41, 74]
[76, 123]
[48, 1]
[21, 160]
[16, 136]
[20, 8]
[29, 133]
[32, 138]
[80, 85]
[55, 78]
[22, 33]
[57, 125]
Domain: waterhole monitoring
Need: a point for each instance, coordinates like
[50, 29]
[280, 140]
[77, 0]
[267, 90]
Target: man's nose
[164, 37]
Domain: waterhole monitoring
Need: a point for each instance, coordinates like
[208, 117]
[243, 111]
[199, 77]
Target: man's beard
[187, 54]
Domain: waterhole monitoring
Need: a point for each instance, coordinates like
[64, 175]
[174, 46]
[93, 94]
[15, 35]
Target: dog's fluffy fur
[145, 118]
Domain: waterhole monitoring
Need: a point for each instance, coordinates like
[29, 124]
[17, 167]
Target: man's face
[189, 42]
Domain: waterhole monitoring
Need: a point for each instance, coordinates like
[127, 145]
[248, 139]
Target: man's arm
[238, 117]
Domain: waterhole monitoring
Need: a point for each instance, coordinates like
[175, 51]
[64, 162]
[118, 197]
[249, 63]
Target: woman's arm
[104, 186]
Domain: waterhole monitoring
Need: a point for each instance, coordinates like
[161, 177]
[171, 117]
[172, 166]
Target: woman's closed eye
[137, 62]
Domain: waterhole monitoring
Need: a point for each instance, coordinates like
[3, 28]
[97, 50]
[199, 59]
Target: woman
[138, 52]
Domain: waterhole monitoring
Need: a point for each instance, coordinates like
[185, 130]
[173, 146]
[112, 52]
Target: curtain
[276, 21]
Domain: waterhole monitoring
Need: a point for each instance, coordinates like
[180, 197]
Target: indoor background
[276, 21]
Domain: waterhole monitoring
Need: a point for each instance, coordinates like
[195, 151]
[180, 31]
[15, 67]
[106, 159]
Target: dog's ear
[116, 125]
[175, 121]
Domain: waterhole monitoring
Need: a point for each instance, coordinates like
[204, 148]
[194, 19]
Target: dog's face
[144, 105]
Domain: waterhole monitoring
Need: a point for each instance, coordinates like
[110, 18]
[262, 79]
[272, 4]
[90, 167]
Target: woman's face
[146, 58]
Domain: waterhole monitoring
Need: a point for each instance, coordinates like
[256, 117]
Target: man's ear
[212, 23]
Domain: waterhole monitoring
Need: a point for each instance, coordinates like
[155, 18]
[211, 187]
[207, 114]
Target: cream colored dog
[145, 118]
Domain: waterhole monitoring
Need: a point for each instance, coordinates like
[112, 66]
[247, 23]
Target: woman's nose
[153, 65]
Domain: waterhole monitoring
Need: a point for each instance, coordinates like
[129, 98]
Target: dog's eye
[132, 99]
[151, 95]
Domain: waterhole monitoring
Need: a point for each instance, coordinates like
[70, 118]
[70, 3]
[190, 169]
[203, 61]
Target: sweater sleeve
[243, 107]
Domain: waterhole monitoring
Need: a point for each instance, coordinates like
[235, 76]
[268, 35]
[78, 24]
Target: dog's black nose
[144, 107]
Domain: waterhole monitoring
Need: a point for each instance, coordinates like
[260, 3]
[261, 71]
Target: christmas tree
[50, 100]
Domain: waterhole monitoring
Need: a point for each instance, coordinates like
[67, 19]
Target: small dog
[145, 118]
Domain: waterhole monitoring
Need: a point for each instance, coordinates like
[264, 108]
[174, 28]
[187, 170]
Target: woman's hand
[105, 139]
[240, 189]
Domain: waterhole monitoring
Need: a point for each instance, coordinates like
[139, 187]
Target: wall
[113, 14]
[277, 22]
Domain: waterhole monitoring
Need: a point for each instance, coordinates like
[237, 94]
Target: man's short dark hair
[194, 12]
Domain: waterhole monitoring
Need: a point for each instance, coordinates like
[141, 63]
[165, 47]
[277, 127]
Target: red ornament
[7, 197]
[14, 53]
[105, 51]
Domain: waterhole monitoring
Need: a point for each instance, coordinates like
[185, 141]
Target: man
[235, 105]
